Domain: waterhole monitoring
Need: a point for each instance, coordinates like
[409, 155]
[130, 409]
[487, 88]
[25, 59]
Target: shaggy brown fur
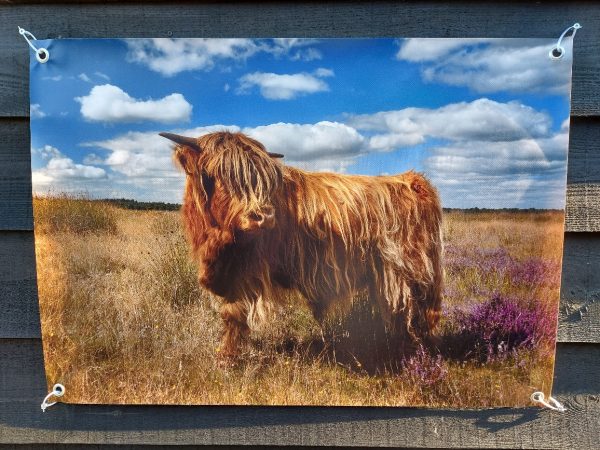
[258, 228]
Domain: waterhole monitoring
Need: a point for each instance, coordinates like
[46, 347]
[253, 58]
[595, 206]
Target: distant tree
[127, 203]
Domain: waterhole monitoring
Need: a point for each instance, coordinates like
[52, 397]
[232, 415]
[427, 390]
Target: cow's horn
[275, 155]
[182, 140]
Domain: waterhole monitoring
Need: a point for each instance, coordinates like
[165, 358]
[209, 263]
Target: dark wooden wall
[577, 380]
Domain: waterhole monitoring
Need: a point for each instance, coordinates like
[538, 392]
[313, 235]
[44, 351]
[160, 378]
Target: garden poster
[358, 222]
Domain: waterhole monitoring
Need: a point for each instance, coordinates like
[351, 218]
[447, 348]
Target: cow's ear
[186, 158]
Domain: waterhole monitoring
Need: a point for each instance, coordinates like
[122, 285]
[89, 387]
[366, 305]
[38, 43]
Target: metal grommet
[42, 55]
[537, 397]
[58, 390]
[552, 403]
[556, 53]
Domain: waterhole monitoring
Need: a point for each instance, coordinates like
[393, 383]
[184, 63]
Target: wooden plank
[159, 447]
[583, 178]
[293, 19]
[18, 289]
[152, 447]
[579, 317]
[15, 175]
[583, 193]
[583, 207]
[23, 386]
[579, 312]
[584, 157]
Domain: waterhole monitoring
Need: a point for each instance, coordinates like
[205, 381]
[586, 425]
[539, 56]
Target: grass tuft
[74, 214]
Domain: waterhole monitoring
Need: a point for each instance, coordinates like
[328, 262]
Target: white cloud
[482, 119]
[62, 173]
[308, 54]
[35, 111]
[172, 56]
[527, 156]
[108, 103]
[64, 167]
[285, 86]
[296, 49]
[390, 141]
[84, 77]
[491, 65]
[92, 158]
[320, 146]
[146, 154]
[431, 49]
[102, 75]
[501, 174]
[322, 72]
[46, 152]
[141, 164]
[53, 78]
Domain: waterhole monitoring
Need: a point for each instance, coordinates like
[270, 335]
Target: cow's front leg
[236, 329]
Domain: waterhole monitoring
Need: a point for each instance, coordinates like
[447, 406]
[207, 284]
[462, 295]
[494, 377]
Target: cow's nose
[266, 217]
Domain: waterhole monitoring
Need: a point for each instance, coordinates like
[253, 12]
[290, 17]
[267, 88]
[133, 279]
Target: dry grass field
[124, 320]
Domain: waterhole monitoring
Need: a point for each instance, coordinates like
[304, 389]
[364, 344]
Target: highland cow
[259, 228]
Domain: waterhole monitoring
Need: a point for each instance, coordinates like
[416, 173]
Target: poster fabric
[368, 222]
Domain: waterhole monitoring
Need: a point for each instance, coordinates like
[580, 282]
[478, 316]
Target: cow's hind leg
[395, 300]
[405, 337]
[426, 314]
[235, 321]
[415, 321]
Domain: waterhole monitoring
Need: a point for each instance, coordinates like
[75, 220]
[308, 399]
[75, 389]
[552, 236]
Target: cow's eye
[209, 185]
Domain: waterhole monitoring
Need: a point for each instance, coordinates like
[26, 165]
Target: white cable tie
[558, 51]
[552, 403]
[41, 54]
[58, 390]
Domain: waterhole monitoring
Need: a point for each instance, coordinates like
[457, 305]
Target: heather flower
[425, 369]
[533, 271]
[536, 271]
[499, 328]
[481, 258]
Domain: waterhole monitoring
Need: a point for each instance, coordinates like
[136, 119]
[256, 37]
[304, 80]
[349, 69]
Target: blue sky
[485, 119]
